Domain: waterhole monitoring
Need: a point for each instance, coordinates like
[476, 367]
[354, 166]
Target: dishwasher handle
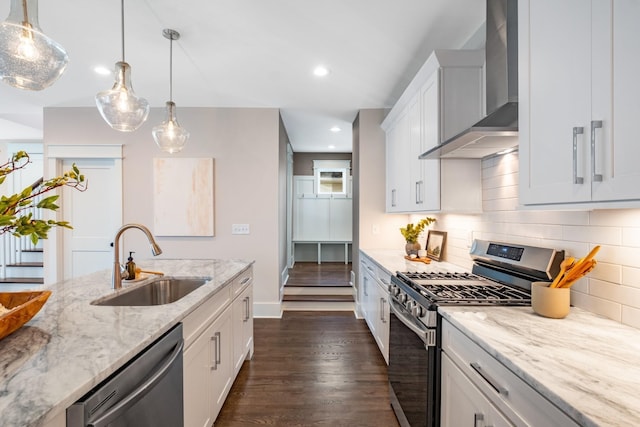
[140, 391]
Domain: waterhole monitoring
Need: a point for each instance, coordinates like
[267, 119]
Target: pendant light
[119, 106]
[28, 58]
[169, 135]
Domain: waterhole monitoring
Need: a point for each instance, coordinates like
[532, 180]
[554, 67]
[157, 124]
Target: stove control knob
[394, 290]
[402, 297]
[417, 310]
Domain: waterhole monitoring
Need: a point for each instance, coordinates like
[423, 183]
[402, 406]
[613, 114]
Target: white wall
[376, 229]
[245, 145]
[612, 289]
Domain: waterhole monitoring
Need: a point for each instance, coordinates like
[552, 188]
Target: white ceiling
[247, 53]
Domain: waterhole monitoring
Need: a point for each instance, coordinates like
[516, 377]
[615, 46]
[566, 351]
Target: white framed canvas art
[183, 202]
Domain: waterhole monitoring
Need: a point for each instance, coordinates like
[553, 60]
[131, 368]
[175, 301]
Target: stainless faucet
[118, 270]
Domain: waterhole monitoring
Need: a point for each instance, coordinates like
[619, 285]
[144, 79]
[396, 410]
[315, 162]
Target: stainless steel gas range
[502, 274]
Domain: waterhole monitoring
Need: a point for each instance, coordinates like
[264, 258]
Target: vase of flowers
[412, 232]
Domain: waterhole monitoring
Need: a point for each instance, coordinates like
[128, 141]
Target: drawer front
[522, 404]
[242, 281]
[369, 265]
[195, 323]
[384, 277]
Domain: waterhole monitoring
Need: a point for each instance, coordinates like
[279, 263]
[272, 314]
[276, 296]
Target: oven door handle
[409, 322]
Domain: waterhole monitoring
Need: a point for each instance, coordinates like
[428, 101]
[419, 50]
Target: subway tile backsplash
[611, 290]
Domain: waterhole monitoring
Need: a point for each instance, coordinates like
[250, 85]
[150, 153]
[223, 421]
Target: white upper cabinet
[397, 156]
[443, 99]
[579, 64]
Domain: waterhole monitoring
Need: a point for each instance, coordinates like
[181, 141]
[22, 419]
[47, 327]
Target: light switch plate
[240, 229]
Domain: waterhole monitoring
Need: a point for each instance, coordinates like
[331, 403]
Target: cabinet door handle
[393, 198]
[595, 124]
[493, 383]
[248, 306]
[218, 348]
[245, 280]
[478, 418]
[214, 343]
[419, 199]
[579, 130]
[382, 303]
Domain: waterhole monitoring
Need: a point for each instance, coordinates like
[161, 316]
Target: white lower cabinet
[478, 390]
[382, 320]
[462, 404]
[216, 334]
[242, 328]
[374, 283]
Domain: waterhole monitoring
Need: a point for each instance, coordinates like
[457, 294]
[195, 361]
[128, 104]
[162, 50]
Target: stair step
[307, 290]
[34, 280]
[27, 264]
[319, 298]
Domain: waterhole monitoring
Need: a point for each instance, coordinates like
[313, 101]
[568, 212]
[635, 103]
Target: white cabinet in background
[443, 99]
[321, 217]
[477, 387]
[217, 339]
[579, 64]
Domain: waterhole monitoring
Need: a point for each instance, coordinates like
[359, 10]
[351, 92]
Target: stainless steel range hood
[498, 131]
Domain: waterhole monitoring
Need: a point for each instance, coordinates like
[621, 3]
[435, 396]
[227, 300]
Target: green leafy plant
[14, 219]
[411, 232]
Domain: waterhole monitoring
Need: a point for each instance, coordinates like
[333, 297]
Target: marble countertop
[585, 364]
[392, 261]
[70, 345]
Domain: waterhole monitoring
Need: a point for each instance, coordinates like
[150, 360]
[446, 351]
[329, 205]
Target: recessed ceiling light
[103, 71]
[331, 147]
[320, 71]
[335, 129]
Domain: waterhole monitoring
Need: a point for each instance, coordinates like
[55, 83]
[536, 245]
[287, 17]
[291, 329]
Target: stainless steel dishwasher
[147, 391]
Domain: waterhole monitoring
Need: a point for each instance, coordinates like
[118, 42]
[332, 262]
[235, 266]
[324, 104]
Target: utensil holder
[550, 302]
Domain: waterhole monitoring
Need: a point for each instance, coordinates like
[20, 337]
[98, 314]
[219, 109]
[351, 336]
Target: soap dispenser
[131, 267]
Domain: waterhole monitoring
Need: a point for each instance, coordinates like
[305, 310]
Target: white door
[95, 215]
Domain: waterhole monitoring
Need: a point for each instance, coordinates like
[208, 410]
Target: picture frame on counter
[435, 244]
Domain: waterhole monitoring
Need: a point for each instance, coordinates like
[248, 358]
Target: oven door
[412, 369]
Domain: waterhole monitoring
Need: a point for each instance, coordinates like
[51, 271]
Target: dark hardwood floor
[314, 274]
[311, 369]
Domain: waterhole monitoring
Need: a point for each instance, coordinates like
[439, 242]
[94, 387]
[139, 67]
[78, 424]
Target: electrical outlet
[239, 228]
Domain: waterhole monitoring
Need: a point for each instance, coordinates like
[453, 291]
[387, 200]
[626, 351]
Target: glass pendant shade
[28, 58]
[119, 106]
[169, 135]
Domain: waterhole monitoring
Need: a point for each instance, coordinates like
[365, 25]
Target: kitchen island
[70, 345]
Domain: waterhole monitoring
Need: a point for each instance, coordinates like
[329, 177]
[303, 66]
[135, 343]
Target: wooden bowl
[23, 306]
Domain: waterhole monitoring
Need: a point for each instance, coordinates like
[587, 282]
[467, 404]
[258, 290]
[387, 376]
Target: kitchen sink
[159, 291]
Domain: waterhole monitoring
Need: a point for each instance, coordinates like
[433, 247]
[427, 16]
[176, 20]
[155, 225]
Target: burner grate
[473, 292]
[440, 276]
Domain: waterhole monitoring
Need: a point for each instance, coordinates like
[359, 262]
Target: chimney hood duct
[498, 131]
